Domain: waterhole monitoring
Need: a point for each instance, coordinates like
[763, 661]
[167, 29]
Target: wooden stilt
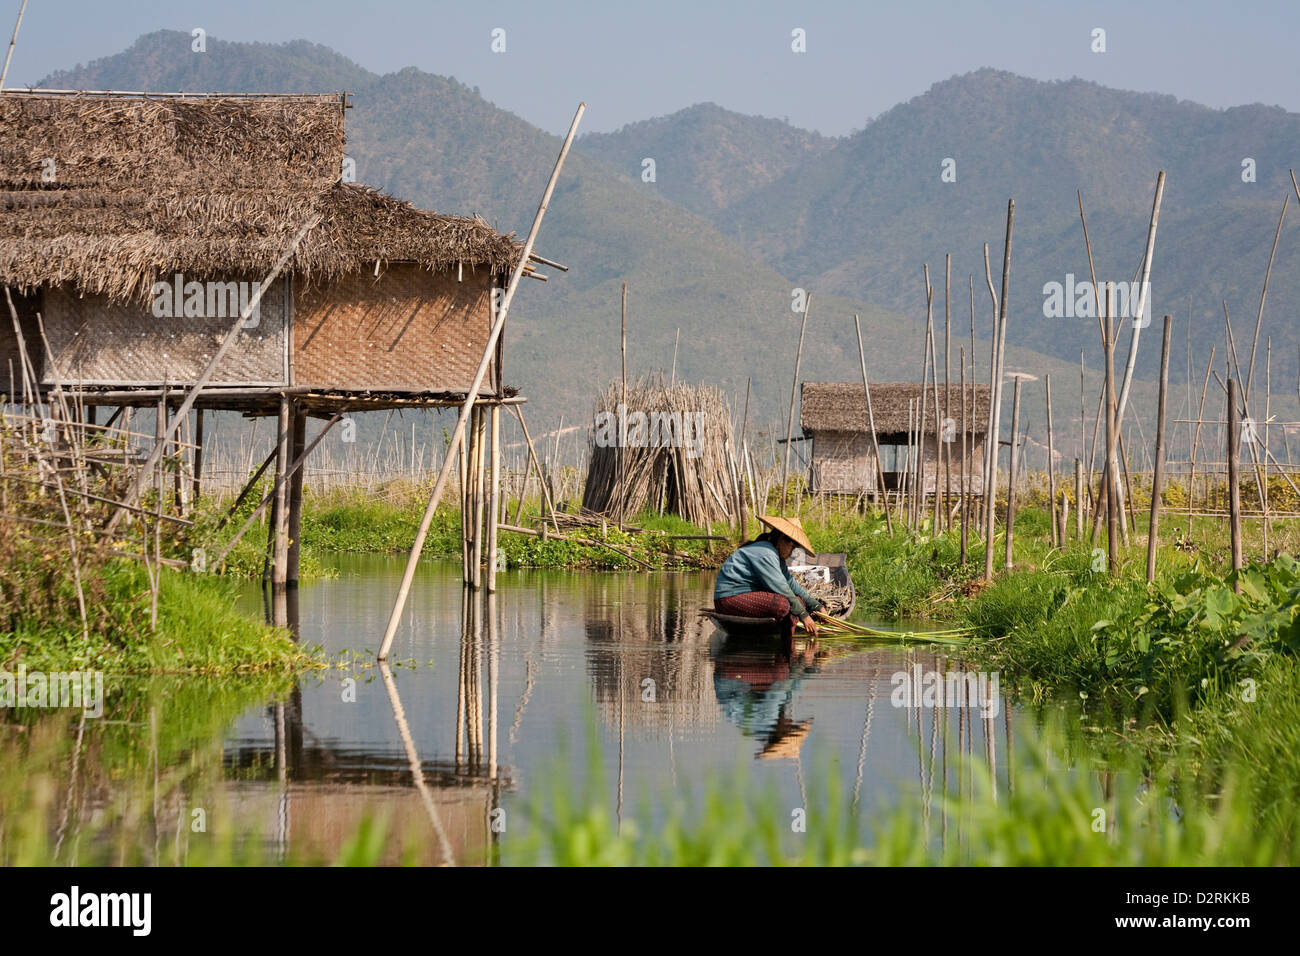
[494, 515]
[196, 487]
[462, 462]
[298, 443]
[280, 525]
[480, 494]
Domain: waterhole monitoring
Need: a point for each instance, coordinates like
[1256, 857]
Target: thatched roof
[113, 192]
[841, 406]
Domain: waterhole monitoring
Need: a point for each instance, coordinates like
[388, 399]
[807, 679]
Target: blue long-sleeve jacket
[758, 567]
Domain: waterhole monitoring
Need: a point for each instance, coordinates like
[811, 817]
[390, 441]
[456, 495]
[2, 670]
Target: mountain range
[733, 212]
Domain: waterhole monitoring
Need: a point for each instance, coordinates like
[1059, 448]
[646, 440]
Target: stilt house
[833, 416]
[139, 226]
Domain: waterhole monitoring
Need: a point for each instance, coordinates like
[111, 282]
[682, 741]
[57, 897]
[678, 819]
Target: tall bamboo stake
[947, 374]
[494, 493]
[938, 454]
[1078, 498]
[1234, 479]
[1012, 470]
[964, 488]
[992, 487]
[871, 424]
[794, 388]
[1200, 417]
[488, 351]
[1259, 317]
[1158, 473]
[1112, 468]
[622, 418]
[1051, 464]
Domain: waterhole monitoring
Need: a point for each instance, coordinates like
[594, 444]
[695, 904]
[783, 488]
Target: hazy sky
[631, 61]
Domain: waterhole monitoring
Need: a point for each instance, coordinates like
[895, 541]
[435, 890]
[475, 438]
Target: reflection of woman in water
[755, 687]
[755, 581]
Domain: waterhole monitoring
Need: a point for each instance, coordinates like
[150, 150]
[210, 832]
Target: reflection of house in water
[314, 795]
[647, 653]
[317, 806]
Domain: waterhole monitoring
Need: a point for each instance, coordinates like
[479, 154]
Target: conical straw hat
[791, 528]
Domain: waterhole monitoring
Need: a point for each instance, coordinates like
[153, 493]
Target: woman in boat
[755, 581]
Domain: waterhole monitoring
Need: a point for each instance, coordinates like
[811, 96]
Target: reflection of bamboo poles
[417, 769]
[866, 732]
[493, 682]
[282, 780]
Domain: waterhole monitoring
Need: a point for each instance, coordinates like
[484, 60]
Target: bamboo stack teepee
[676, 440]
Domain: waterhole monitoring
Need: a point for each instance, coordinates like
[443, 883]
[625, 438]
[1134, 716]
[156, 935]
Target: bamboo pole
[1200, 417]
[494, 514]
[964, 486]
[1012, 471]
[196, 487]
[1142, 298]
[488, 352]
[1051, 464]
[622, 418]
[938, 444]
[462, 464]
[926, 352]
[12, 40]
[1158, 474]
[280, 524]
[1078, 498]
[480, 492]
[871, 424]
[947, 399]
[1234, 479]
[294, 494]
[794, 387]
[990, 490]
[1112, 469]
[676, 339]
[1259, 317]
[1268, 405]
[537, 466]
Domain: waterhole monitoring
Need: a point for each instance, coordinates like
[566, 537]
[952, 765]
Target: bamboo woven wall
[26, 306]
[95, 340]
[407, 330]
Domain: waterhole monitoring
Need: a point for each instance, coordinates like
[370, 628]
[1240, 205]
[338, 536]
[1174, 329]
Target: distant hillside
[851, 219]
[436, 142]
[705, 157]
[862, 217]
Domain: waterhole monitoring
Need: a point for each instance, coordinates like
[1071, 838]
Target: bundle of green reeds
[667, 448]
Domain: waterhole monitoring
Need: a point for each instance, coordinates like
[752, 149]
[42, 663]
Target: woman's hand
[810, 625]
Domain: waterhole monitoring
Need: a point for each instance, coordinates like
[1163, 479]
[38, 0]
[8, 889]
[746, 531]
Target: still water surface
[610, 681]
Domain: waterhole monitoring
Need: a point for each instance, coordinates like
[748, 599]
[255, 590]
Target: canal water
[611, 683]
[604, 689]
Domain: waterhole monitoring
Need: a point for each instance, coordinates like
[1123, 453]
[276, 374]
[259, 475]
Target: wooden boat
[736, 626]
